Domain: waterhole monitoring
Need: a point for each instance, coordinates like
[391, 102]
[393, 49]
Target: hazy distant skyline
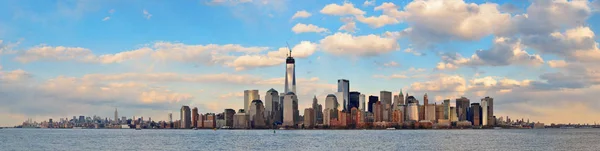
[538, 59]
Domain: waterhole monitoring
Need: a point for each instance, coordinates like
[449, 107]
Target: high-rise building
[340, 98]
[476, 112]
[249, 96]
[229, 115]
[257, 119]
[327, 115]
[271, 103]
[353, 99]
[195, 117]
[309, 118]
[490, 110]
[378, 111]
[425, 99]
[412, 110]
[385, 97]
[344, 89]
[331, 102]
[290, 74]
[170, 117]
[240, 120]
[372, 101]
[185, 118]
[401, 99]
[361, 102]
[116, 116]
[280, 115]
[447, 109]
[484, 112]
[316, 108]
[289, 117]
[462, 104]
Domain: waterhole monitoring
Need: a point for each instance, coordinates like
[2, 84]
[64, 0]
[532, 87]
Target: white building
[271, 103]
[361, 103]
[343, 92]
[289, 111]
[484, 112]
[249, 96]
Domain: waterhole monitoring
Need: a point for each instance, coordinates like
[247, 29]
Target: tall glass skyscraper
[290, 74]
[344, 88]
[249, 96]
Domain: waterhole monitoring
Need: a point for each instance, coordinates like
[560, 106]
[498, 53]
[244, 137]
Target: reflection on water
[107, 139]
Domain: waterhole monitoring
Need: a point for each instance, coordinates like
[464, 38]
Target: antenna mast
[288, 46]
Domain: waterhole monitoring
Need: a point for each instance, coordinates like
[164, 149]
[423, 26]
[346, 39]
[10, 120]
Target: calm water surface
[106, 139]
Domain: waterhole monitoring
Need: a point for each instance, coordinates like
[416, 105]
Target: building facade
[185, 118]
[289, 117]
[344, 92]
[249, 96]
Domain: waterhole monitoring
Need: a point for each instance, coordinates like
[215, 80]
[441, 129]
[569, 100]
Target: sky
[538, 59]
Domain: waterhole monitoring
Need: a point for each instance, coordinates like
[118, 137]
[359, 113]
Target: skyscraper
[271, 103]
[257, 110]
[484, 112]
[331, 102]
[412, 110]
[385, 97]
[372, 101]
[289, 118]
[249, 96]
[447, 109]
[290, 74]
[353, 99]
[170, 117]
[116, 116]
[316, 110]
[425, 99]
[476, 112]
[185, 119]
[361, 102]
[195, 117]
[490, 110]
[462, 104]
[344, 88]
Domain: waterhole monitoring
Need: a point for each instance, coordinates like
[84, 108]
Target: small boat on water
[391, 128]
[497, 128]
[195, 128]
[282, 128]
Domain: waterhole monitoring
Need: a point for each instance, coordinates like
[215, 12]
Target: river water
[129, 139]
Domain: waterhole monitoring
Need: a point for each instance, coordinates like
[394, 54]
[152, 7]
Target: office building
[385, 97]
[318, 111]
[331, 102]
[401, 100]
[361, 102]
[491, 120]
[462, 105]
[257, 119]
[378, 112]
[340, 98]
[343, 93]
[372, 101]
[229, 116]
[240, 120]
[185, 119]
[430, 112]
[476, 112]
[354, 98]
[290, 74]
[249, 96]
[484, 112]
[271, 103]
[195, 117]
[289, 117]
[447, 109]
[327, 115]
[309, 118]
[412, 110]
[116, 116]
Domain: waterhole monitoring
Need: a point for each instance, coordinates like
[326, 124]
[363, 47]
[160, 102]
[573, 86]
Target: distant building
[397, 117]
[476, 112]
[439, 112]
[354, 98]
[430, 112]
[331, 102]
[318, 111]
[340, 99]
[372, 101]
[229, 116]
[185, 118]
[249, 96]
[210, 120]
[240, 120]
[290, 74]
[484, 112]
[462, 104]
[378, 112]
[412, 110]
[257, 119]
[447, 109]
[271, 104]
[344, 89]
[289, 117]
[362, 103]
[327, 115]
[195, 117]
[491, 120]
[309, 118]
[385, 97]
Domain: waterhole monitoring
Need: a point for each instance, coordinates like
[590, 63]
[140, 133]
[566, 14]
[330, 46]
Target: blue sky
[52, 52]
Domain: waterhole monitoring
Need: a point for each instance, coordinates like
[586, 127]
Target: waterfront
[129, 139]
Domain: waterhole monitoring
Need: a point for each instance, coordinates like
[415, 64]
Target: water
[128, 139]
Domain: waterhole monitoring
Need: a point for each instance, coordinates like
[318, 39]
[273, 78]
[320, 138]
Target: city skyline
[88, 57]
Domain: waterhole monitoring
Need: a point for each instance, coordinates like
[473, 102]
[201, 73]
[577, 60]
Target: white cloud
[441, 84]
[577, 44]
[410, 50]
[557, 63]
[147, 15]
[302, 50]
[369, 3]
[368, 45]
[349, 26]
[111, 11]
[391, 64]
[301, 14]
[341, 10]
[379, 21]
[390, 9]
[303, 28]
[106, 18]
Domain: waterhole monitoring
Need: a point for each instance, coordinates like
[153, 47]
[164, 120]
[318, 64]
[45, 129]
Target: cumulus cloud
[304, 28]
[557, 63]
[341, 10]
[545, 17]
[377, 22]
[368, 45]
[577, 44]
[302, 50]
[391, 64]
[369, 3]
[147, 15]
[301, 14]
[349, 26]
[411, 51]
[441, 84]
[390, 9]
[505, 51]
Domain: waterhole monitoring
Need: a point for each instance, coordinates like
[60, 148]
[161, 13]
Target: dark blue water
[107, 139]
